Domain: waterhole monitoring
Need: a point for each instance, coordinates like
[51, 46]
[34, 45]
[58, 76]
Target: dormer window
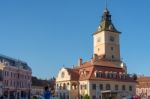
[115, 75]
[108, 75]
[111, 75]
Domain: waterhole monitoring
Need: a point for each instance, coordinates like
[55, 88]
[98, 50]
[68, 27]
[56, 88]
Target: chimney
[80, 62]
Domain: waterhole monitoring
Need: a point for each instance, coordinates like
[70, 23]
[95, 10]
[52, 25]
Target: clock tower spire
[106, 39]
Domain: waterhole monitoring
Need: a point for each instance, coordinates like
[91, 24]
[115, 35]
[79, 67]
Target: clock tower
[106, 39]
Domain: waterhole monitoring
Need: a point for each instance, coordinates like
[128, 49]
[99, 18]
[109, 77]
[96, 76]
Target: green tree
[86, 96]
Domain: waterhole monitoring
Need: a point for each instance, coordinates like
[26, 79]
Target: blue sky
[48, 34]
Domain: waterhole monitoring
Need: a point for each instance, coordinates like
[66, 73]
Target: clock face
[112, 38]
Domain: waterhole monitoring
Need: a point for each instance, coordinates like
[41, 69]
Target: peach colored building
[102, 77]
[143, 87]
[16, 78]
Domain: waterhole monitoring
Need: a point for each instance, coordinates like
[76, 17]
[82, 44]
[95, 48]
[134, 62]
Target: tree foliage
[86, 96]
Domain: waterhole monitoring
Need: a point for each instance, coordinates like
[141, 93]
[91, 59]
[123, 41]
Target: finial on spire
[106, 4]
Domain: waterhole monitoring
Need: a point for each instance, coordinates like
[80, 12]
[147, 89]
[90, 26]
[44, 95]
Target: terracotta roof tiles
[86, 71]
[143, 82]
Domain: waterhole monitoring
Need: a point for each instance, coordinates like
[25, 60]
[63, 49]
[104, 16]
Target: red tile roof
[143, 82]
[86, 71]
[74, 73]
[143, 79]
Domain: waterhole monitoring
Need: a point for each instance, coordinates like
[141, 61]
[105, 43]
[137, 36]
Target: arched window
[74, 86]
[60, 86]
[64, 86]
[57, 86]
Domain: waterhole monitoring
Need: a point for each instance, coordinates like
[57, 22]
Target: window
[60, 87]
[108, 87]
[94, 86]
[99, 97]
[101, 86]
[64, 86]
[74, 86]
[11, 74]
[108, 75]
[123, 87]
[130, 88]
[1, 73]
[103, 74]
[94, 97]
[7, 73]
[112, 75]
[84, 86]
[112, 56]
[60, 96]
[67, 96]
[64, 95]
[81, 87]
[111, 38]
[116, 87]
[112, 48]
[97, 74]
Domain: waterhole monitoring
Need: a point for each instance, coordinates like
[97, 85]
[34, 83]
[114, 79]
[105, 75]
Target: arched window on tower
[112, 56]
[112, 48]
